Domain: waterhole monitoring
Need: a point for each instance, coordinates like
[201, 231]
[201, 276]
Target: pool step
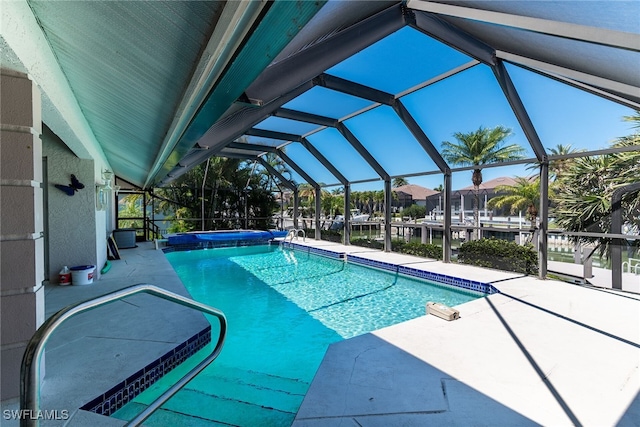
[266, 400]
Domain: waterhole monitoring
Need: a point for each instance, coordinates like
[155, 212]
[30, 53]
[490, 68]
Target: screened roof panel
[368, 186]
[327, 102]
[390, 142]
[341, 154]
[279, 124]
[263, 141]
[572, 54]
[309, 164]
[565, 115]
[463, 103]
[399, 62]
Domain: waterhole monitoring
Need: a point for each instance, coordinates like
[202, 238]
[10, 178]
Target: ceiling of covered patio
[343, 92]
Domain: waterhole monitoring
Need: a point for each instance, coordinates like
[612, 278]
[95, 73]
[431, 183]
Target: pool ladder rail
[30, 369]
[295, 234]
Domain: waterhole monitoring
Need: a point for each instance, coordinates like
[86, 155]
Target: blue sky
[461, 103]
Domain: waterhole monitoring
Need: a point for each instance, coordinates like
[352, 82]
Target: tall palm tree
[279, 165]
[478, 148]
[356, 199]
[399, 182]
[525, 194]
[367, 198]
[558, 167]
[378, 197]
[306, 193]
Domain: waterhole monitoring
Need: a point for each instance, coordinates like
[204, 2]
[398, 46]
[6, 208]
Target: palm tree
[378, 197]
[399, 182]
[306, 193]
[524, 194]
[367, 199]
[477, 148]
[558, 167]
[277, 163]
[583, 193]
[356, 197]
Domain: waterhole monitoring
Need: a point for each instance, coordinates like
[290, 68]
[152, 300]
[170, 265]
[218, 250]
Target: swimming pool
[284, 308]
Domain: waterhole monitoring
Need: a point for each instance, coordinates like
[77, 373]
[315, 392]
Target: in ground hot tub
[221, 238]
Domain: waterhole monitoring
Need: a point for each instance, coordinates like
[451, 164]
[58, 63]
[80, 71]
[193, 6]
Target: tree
[356, 199]
[525, 194]
[558, 167]
[332, 203]
[131, 207]
[415, 211]
[267, 180]
[378, 197]
[478, 148]
[228, 187]
[307, 194]
[399, 182]
[583, 193]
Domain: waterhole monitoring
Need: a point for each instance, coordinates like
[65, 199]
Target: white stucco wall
[77, 231]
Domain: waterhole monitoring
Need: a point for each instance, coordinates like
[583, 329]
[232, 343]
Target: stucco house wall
[76, 230]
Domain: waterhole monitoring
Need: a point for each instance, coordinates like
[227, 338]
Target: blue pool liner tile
[122, 393]
[465, 284]
[438, 278]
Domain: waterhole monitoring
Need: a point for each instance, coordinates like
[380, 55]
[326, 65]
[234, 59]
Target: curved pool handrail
[295, 233]
[30, 369]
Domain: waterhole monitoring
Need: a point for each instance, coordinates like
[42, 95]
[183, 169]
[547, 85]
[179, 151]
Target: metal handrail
[294, 233]
[30, 369]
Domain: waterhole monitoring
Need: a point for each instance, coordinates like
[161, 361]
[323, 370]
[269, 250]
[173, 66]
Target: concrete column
[21, 224]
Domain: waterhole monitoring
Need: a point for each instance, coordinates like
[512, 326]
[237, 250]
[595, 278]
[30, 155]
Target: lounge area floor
[538, 353]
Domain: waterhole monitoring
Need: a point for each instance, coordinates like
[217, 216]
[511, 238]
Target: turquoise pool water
[284, 308]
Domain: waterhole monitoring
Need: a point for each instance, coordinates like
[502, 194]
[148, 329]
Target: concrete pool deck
[94, 351]
[538, 353]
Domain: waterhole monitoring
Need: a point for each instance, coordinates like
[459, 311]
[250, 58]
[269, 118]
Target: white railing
[631, 266]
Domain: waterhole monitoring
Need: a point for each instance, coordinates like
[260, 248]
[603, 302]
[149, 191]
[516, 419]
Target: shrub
[499, 254]
[425, 250]
[368, 243]
[328, 235]
[399, 245]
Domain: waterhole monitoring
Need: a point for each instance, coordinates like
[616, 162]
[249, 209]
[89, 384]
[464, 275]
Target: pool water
[283, 308]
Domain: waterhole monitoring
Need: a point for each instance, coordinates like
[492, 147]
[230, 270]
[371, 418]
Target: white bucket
[82, 274]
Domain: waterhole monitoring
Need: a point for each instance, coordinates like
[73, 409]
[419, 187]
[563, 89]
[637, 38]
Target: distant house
[463, 197]
[407, 195]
